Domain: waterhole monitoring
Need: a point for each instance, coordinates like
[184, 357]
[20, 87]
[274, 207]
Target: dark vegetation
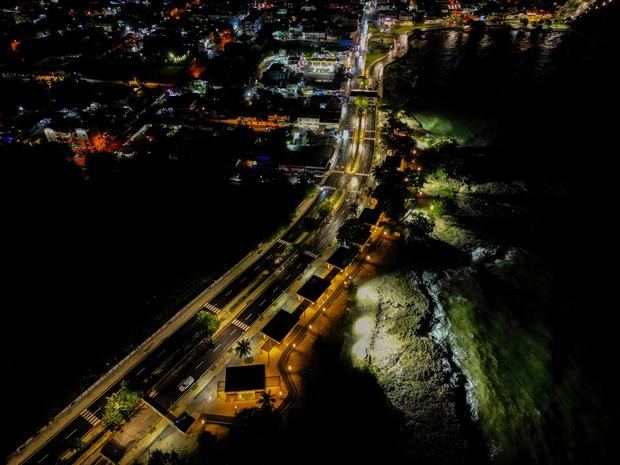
[97, 260]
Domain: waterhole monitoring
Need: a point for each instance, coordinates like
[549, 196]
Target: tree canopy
[121, 406]
[207, 323]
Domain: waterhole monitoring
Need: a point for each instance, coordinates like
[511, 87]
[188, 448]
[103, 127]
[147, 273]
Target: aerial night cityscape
[308, 231]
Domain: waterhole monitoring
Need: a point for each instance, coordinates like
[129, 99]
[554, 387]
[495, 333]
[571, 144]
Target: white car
[187, 382]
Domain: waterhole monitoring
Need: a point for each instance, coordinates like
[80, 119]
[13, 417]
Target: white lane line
[275, 289]
[95, 412]
[200, 364]
[43, 458]
[246, 318]
[231, 331]
[217, 347]
[244, 278]
[264, 300]
[140, 372]
[70, 434]
[228, 292]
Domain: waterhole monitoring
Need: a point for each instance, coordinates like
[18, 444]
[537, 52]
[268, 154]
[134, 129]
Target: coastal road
[161, 367]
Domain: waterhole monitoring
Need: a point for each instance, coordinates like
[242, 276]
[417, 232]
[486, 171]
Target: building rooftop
[280, 325]
[342, 257]
[370, 216]
[360, 234]
[245, 378]
[314, 288]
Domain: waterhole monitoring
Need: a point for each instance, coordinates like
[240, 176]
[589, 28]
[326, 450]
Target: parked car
[187, 382]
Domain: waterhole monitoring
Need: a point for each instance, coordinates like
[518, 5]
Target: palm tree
[267, 401]
[243, 348]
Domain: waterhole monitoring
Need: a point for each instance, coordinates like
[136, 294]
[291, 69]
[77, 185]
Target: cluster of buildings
[120, 76]
[106, 75]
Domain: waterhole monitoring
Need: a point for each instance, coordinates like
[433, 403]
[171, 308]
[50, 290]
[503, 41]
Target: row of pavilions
[245, 382]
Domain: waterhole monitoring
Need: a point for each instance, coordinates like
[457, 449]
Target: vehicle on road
[187, 382]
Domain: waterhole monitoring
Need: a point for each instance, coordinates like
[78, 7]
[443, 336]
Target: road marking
[70, 434]
[90, 417]
[244, 278]
[275, 289]
[43, 458]
[240, 324]
[140, 372]
[217, 347]
[264, 300]
[160, 353]
[228, 292]
[212, 308]
[246, 318]
[200, 364]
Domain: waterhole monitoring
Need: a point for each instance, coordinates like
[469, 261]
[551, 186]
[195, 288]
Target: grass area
[372, 56]
[405, 29]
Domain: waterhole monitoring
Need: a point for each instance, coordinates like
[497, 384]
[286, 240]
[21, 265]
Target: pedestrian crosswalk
[311, 254]
[352, 174]
[241, 325]
[212, 308]
[90, 417]
[334, 188]
[283, 242]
